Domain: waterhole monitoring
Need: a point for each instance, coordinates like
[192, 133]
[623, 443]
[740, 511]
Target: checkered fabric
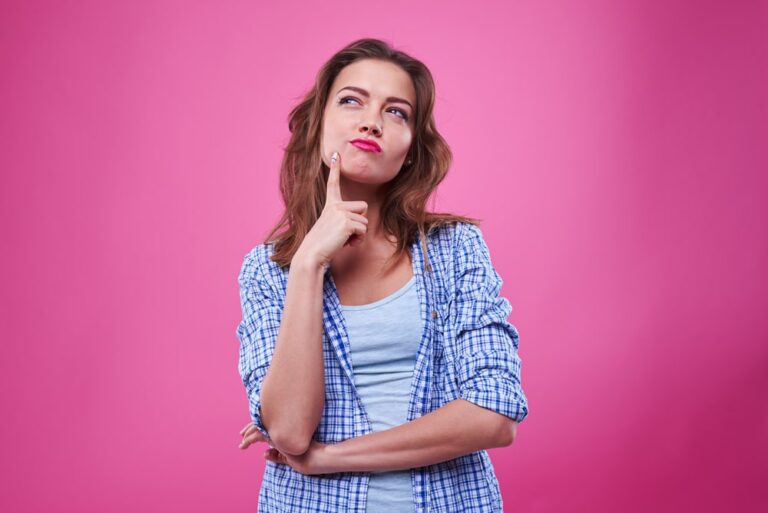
[468, 350]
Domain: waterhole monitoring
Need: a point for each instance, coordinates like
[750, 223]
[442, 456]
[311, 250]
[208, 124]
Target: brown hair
[304, 175]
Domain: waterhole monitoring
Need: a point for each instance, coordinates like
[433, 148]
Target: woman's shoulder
[257, 264]
[257, 256]
[457, 236]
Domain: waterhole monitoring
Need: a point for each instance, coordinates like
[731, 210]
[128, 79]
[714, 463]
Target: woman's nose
[371, 127]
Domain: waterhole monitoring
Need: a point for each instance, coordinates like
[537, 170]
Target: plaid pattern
[468, 350]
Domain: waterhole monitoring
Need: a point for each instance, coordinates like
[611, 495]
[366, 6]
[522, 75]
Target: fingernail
[334, 156]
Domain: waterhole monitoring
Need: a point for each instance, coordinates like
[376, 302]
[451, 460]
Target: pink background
[616, 150]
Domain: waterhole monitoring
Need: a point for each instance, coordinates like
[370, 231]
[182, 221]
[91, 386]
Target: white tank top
[384, 339]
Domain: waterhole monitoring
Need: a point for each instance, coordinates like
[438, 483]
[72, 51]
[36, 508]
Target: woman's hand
[251, 435]
[341, 223]
[315, 461]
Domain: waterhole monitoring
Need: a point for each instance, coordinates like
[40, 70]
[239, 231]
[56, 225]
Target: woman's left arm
[491, 400]
[456, 429]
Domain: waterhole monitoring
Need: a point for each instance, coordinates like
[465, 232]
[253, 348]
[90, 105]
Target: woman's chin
[356, 169]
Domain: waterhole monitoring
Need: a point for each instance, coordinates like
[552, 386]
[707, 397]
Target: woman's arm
[491, 401]
[293, 390]
[456, 429]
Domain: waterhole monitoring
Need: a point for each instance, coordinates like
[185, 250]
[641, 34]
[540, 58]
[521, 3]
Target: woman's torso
[383, 355]
[445, 486]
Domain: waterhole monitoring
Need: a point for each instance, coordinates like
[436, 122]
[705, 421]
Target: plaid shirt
[468, 350]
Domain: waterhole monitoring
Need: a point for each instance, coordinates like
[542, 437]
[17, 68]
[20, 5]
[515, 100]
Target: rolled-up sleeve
[487, 365]
[257, 331]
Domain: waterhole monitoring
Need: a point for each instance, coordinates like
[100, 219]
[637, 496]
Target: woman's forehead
[378, 78]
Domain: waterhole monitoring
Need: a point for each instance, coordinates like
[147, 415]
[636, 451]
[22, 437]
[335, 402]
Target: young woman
[374, 346]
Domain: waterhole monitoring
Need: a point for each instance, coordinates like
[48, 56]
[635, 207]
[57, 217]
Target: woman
[374, 347]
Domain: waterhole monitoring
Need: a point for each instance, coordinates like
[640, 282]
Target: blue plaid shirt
[468, 350]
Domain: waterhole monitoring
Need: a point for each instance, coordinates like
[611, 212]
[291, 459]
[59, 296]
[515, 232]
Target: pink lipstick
[367, 145]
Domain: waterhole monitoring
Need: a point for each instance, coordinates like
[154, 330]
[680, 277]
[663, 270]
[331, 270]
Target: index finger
[333, 190]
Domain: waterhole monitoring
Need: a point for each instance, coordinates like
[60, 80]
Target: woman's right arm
[293, 390]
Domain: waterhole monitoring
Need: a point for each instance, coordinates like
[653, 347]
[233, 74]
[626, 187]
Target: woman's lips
[366, 145]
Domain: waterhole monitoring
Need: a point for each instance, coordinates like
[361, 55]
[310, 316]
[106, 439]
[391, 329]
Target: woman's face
[373, 100]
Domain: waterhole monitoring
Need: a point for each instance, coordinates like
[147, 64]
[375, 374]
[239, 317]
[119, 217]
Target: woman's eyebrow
[391, 99]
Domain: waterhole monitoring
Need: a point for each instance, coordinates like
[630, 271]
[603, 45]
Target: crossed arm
[456, 429]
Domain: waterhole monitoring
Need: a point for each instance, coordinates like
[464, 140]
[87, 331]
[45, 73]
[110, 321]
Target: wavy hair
[304, 175]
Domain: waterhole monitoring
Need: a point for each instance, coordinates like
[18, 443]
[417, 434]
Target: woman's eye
[403, 114]
[401, 111]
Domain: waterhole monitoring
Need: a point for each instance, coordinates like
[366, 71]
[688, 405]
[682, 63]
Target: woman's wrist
[333, 459]
[307, 261]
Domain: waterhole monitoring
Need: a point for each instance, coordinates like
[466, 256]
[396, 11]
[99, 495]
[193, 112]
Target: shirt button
[434, 314]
